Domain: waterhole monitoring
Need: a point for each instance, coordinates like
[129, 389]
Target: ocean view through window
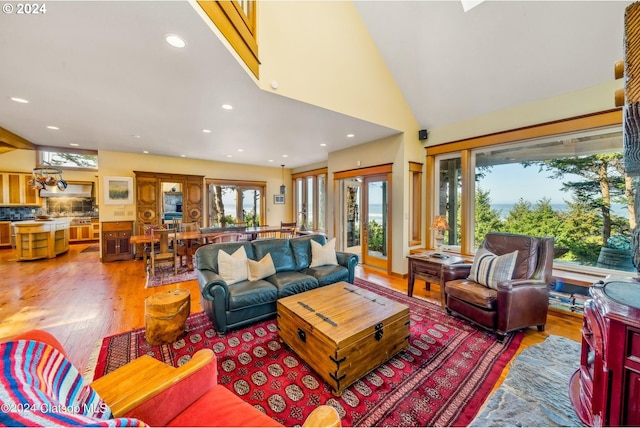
[572, 187]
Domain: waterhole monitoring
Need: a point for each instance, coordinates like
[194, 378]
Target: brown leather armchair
[517, 303]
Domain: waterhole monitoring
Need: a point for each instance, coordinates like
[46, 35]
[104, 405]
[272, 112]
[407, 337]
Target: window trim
[415, 203]
[304, 176]
[262, 185]
[238, 28]
[41, 149]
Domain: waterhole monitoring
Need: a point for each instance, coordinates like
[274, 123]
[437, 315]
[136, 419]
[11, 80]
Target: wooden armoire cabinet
[149, 197]
[605, 391]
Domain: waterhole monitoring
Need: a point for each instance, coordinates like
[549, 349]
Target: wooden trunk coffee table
[343, 331]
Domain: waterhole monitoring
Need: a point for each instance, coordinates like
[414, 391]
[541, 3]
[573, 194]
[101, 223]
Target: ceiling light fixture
[227, 106]
[241, 150]
[55, 128]
[19, 100]
[350, 135]
[146, 152]
[74, 144]
[175, 41]
[467, 5]
[323, 144]
[206, 131]
[283, 188]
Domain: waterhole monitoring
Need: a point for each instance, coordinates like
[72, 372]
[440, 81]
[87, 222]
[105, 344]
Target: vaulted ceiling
[101, 72]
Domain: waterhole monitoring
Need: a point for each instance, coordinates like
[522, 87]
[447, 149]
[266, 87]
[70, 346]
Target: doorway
[351, 220]
[375, 225]
[365, 216]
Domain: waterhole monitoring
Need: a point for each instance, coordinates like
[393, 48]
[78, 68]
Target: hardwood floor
[80, 300]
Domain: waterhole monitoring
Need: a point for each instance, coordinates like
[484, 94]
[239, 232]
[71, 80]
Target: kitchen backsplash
[17, 213]
[70, 207]
[56, 207]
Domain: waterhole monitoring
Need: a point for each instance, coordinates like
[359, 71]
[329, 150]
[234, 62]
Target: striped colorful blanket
[40, 387]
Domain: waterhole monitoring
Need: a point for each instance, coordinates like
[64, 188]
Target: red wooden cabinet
[605, 391]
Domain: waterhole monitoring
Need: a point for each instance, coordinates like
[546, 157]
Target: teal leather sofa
[246, 302]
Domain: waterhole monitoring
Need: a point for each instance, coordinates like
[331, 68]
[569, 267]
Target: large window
[449, 194]
[571, 186]
[236, 203]
[310, 199]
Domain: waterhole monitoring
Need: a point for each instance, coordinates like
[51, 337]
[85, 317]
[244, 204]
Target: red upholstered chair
[157, 394]
[513, 303]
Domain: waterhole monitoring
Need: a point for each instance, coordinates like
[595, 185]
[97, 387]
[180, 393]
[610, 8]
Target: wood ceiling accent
[10, 141]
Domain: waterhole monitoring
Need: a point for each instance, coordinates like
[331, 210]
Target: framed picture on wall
[278, 199]
[118, 190]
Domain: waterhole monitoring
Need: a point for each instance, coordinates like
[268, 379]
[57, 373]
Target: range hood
[72, 191]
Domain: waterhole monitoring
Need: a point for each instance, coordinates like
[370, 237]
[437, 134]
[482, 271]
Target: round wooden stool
[165, 314]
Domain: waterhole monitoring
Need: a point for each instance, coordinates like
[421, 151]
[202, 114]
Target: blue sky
[508, 183]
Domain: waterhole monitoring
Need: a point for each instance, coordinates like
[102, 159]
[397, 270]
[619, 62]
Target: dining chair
[288, 230]
[166, 254]
[149, 246]
[182, 247]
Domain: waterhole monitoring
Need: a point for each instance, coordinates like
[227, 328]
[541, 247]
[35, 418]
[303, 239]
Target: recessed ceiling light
[175, 41]
[227, 106]
[183, 156]
[285, 156]
[270, 160]
[323, 144]
[229, 156]
[206, 131]
[74, 144]
[135, 136]
[146, 152]
[350, 135]
[241, 150]
[19, 100]
[55, 128]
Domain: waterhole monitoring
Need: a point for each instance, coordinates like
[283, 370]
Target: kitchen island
[40, 239]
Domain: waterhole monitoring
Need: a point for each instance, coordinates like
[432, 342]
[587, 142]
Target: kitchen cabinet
[15, 190]
[81, 232]
[41, 239]
[5, 233]
[116, 240]
[95, 228]
[605, 390]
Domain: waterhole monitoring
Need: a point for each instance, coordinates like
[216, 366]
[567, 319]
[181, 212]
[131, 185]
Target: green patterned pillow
[488, 269]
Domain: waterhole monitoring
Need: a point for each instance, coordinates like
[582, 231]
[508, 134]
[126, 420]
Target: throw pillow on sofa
[489, 269]
[233, 267]
[261, 269]
[322, 255]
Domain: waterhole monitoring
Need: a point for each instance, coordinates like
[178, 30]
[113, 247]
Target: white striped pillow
[488, 269]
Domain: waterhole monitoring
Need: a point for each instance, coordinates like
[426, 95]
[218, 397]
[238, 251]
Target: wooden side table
[429, 269]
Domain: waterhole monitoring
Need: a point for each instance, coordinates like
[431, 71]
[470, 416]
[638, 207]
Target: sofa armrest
[457, 271]
[41, 336]
[348, 260]
[212, 286]
[154, 392]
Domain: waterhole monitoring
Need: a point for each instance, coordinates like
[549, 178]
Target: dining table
[162, 236]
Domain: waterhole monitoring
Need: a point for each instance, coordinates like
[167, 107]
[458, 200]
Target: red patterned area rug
[441, 379]
[164, 275]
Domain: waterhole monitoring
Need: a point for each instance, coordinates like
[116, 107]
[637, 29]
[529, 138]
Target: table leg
[411, 280]
[189, 255]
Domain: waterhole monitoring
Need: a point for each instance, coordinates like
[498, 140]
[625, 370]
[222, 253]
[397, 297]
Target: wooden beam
[8, 138]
